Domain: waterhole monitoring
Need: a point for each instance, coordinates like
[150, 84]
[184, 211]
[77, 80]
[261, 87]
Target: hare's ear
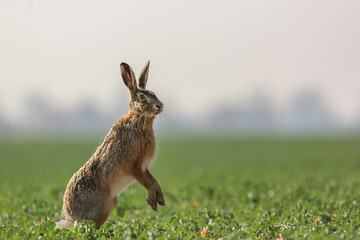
[128, 77]
[144, 76]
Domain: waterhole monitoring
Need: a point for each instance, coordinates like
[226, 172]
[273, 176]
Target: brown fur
[124, 156]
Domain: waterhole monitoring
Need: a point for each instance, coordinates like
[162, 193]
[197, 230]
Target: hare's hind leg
[94, 206]
[103, 215]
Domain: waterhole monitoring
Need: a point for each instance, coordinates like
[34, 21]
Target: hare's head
[142, 101]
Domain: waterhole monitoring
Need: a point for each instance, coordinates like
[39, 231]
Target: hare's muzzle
[159, 106]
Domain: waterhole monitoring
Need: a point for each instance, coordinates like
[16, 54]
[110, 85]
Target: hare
[124, 156]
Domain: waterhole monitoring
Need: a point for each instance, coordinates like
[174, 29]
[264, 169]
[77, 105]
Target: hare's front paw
[151, 199]
[160, 198]
[152, 202]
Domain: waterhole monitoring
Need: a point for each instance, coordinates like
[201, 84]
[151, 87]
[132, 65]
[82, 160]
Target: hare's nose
[159, 107]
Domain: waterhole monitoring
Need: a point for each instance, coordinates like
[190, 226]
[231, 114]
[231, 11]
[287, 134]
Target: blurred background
[220, 67]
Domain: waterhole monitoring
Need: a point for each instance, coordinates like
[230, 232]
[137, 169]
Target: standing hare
[124, 156]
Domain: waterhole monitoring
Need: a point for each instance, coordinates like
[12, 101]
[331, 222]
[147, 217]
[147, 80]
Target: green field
[237, 188]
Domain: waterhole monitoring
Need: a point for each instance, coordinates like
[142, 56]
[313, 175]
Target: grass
[252, 189]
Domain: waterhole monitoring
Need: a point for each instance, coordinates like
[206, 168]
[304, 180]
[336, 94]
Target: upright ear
[144, 76]
[128, 77]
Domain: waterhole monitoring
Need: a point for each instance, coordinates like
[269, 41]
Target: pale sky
[203, 53]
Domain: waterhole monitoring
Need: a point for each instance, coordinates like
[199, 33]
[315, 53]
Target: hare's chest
[120, 182]
[148, 155]
[146, 163]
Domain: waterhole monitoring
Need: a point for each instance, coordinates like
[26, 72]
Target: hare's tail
[64, 224]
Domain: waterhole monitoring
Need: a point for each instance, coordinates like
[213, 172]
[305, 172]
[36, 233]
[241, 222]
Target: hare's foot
[63, 224]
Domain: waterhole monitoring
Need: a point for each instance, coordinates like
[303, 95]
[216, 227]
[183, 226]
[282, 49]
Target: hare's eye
[142, 97]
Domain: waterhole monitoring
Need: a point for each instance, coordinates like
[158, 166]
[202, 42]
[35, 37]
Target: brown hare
[123, 157]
